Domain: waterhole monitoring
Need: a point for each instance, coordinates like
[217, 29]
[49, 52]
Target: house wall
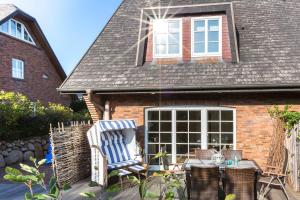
[36, 63]
[186, 45]
[254, 125]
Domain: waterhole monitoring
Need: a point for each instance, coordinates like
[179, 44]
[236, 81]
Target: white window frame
[206, 53]
[204, 129]
[179, 55]
[22, 68]
[23, 28]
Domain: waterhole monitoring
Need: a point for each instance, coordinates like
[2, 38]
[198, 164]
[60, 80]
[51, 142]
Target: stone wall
[21, 150]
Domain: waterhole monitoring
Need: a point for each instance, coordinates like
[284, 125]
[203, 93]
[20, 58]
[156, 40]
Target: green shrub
[21, 118]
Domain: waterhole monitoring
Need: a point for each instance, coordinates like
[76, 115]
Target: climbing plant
[290, 118]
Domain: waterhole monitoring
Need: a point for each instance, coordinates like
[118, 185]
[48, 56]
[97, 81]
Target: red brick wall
[36, 63]
[186, 46]
[254, 126]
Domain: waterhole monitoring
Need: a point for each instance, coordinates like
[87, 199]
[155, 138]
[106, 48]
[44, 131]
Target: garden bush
[22, 118]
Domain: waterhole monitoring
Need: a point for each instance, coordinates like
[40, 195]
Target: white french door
[181, 130]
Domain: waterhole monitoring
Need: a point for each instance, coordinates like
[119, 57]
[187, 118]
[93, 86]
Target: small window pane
[153, 161]
[213, 47]
[216, 147]
[181, 126]
[166, 147]
[166, 137]
[213, 115]
[199, 25]
[173, 38]
[161, 49]
[161, 39]
[227, 138]
[195, 127]
[181, 148]
[174, 49]
[153, 137]
[13, 28]
[199, 37]
[26, 36]
[193, 147]
[195, 115]
[153, 115]
[213, 138]
[166, 115]
[19, 30]
[174, 27]
[153, 126]
[182, 138]
[227, 115]
[226, 127]
[213, 25]
[213, 36]
[195, 138]
[213, 127]
[153, 148]
[165, 126]
[4, 27]
[199, 47]
[182, 115]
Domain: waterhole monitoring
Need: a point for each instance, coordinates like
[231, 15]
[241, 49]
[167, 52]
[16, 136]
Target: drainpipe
[106, 115]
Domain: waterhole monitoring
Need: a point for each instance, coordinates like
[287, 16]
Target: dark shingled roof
[269, 49]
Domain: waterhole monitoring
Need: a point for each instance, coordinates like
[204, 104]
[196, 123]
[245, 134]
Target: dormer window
[16, 29]
[167, 37]
[206, 36]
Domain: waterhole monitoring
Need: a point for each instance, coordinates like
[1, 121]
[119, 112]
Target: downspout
[106, 114]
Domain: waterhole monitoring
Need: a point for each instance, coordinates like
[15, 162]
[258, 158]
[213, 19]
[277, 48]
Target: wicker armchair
[204, 183]
[240, 182]
[203, 154]
[230, 154]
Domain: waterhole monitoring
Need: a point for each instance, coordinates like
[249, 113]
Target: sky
[70, 26]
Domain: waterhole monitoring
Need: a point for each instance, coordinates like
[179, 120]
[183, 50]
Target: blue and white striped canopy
[111, 125]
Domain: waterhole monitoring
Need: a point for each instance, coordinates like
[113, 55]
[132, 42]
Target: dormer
[201, 33]
[17, 30]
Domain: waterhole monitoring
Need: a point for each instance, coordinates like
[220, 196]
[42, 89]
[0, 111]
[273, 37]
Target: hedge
[22, 118]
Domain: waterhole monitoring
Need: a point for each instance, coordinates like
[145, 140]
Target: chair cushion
[136, 168]
[122, 164]
[123, 172]
[114, 147]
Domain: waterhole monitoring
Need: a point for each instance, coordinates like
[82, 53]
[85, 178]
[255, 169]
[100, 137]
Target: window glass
[13, 28]
[166, 37]
[206, 28]
[17, 69]
[4, 27]
[19, 30]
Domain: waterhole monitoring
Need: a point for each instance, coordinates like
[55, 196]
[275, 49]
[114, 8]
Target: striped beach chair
[113, 147]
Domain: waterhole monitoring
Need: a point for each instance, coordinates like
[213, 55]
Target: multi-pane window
[206, 36]
[16, 29]
[167, 34]
[17, 69]
[181, 130]
[220, 129]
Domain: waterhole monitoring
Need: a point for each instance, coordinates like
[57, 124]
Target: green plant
[290, 118]
[31, 176]
[144, 191]
[230, 197]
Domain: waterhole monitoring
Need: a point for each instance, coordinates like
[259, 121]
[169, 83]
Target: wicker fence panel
[71, 152]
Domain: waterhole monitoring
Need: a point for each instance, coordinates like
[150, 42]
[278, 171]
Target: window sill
[18, 79]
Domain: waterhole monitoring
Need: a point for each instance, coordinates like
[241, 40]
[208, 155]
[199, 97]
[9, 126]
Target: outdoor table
[243, 164]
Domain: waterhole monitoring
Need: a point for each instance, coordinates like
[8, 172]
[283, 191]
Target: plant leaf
[134, 180]
[41, 196]
[113, 173]
[27, 196]
[52, 182]
[113, 188]
[41, 162]
[230, 197]
[13, 171]
[89, 195]
[32, 159]
[17, 179]
[151, 195]
[66, 187]
[29, 169]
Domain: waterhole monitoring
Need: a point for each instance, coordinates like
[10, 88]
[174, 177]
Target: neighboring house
[202, 76]
[27, 63]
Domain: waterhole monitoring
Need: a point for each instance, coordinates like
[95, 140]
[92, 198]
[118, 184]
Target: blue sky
[69, 25]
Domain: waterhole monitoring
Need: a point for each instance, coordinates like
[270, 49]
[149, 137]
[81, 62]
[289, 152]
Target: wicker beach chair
[203, 154]
[240, 182]
[230, 154]
[204, 183]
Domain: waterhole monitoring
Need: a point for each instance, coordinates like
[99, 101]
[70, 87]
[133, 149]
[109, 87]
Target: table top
[243, 164]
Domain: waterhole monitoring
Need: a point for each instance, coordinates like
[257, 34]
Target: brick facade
[186, 46]
[36, 63]
[253, 123]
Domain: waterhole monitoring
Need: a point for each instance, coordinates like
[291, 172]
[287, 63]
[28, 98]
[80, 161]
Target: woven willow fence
[71, 152]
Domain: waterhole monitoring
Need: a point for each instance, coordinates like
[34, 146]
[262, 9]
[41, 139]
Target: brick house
[27, 63]
[194, 73]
